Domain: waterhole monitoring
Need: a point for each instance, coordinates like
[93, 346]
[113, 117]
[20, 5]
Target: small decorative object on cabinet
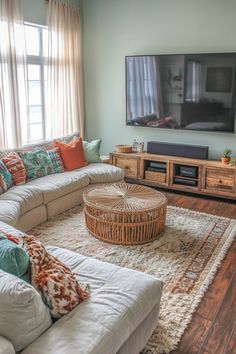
[226, 156]
[207, 177]
[124, 148]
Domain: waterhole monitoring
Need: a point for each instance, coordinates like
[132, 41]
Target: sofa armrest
[6, 346]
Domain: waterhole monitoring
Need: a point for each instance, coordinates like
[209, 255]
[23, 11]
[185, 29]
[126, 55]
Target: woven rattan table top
[124, 197]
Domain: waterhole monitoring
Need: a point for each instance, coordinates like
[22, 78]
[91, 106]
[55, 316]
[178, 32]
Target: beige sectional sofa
[33, 203]
[123, 307]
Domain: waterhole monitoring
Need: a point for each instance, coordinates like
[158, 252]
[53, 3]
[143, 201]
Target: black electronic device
[188, 171]
[187, 182]
[181, 150]
[181, 91]
[156, 169]
[158, 164]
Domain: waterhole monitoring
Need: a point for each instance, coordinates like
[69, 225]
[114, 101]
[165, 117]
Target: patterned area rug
[185, 257]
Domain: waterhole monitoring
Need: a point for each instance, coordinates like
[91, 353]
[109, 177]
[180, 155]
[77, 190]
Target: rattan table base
[126, 214]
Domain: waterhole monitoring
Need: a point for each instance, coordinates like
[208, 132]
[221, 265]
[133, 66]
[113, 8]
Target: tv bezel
[180, 129]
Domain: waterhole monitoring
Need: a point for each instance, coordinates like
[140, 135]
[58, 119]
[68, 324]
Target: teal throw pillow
[14, 259]
[56, 160]
[5, 178]
[92, 150]
[37, 163]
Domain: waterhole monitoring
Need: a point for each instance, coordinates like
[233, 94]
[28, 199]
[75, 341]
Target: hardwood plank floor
[213, 327]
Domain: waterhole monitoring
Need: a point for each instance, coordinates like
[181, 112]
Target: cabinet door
[128, 164]
[220, 181]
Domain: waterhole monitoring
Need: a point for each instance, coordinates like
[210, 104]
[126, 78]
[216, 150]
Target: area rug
[185, 257]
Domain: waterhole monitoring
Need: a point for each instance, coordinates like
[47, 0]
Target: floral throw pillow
[58, 286]
[5, 178]
[16, 167]
[37, 163]
[56, 160]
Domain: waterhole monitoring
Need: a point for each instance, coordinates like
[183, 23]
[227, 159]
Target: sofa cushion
[57, 185]
[13, 259]
[120, 299]
[56, 283]
[103, 173]
[6, 178]
[55, 157]
[28, 197]
[6, 347]
[72, 154]
[24, 316]
[37, 163]
[10, 211]
[16, 167]
[92, 150]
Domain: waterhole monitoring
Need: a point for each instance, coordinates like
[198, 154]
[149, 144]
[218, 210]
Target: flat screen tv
[181, 91]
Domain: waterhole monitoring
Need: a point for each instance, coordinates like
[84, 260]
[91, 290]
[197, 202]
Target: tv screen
[181, 91]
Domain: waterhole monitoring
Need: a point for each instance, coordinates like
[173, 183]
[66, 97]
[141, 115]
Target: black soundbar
[181, 150]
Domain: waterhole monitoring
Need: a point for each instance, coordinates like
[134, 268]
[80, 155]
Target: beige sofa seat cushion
[24, 316]
[29, 197]
[10, 211]
[59, 184]
[103, 173]
[6, 347]
[120, 300]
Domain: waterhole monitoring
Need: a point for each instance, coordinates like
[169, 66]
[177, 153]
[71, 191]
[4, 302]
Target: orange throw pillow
[72, 154]
[16, 167]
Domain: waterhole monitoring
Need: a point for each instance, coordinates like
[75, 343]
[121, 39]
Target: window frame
[40, 60]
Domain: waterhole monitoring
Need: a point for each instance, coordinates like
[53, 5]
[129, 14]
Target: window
[36, 48]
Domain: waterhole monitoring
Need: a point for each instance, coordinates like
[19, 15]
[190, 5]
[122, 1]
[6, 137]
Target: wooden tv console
[211, 177]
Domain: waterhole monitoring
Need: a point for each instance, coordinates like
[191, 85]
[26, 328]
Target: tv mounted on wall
[181, 91]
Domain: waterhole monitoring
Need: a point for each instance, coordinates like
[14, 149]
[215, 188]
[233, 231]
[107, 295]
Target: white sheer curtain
[13, 71]
[144, 87]
[65, 112]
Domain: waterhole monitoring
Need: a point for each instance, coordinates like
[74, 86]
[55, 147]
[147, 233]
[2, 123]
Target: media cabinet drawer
[221, 180]
[155, 176]
[218, 183]
[129, 165]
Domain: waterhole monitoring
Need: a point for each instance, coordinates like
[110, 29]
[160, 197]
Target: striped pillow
[55, 157]
[5, 178]
[16, 167]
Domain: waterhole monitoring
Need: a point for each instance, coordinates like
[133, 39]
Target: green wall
[36, 10]
[113, 29]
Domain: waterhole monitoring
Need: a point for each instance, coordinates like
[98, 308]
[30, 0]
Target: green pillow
[14, 259]
[91, 150]
[37, 164]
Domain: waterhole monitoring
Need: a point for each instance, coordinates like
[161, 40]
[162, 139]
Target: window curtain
[144, 89]
[64, 106]
[193, 80]
[13, 71]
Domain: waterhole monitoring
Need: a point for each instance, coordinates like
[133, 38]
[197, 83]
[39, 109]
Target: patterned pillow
[15, 166]
[55, 157]
[5, 178]
[37, 163]
[58, 286]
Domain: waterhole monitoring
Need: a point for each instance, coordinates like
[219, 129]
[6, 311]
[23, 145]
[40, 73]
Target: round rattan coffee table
[126, 214]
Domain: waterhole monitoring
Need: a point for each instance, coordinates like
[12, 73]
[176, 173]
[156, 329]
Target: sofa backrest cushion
[72, 154]
[37, 164]
[5, 178]
[16, 167]
[59, 287]
[24, 316]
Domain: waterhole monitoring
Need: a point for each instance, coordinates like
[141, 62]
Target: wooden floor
[213, 327]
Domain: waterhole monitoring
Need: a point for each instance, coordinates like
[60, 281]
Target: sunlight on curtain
[13, 106]
[193, 81]
[65, 112]
[144, 90]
